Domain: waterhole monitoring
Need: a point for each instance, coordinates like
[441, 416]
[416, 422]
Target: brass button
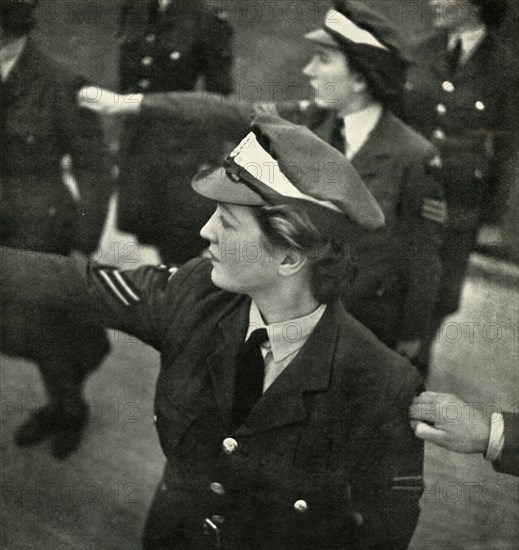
[154, 418]
[441, 109]
[217, 488]
[174, 55]
[144, 83]
[480, 106]
[478, 173]
[438, 134]
[52, 210]
[150, 37]
[30, 138]
[300, 506]
[163, 488]
[448, 86]
[147, 60]
[229, 445]
[409, 86]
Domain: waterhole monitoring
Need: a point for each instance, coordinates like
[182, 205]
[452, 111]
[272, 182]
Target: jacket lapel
[222, 362]
[283, 402]
[375, 148]
[19, 81]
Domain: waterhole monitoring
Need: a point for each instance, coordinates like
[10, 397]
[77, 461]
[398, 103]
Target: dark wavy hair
[332, 269]
[492, 12]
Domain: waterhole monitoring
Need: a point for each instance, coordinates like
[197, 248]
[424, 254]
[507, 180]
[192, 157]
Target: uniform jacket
[163, 52]
[470, 116]
[40, 125]
[332, 430]
[399, 266]
[508, 463]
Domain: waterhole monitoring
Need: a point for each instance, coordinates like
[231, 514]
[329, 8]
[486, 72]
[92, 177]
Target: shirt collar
[285, 337]
[10, 54]
[358, 126]
[470, 40]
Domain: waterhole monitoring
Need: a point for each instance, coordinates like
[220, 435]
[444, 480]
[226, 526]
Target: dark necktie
[337, 139]
[250, 369]
[453, 58]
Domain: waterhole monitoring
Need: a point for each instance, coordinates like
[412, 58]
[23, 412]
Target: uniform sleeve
[421, 244]
[81, 137]
[508, 462]
[226, 117]
[131, 301]
[503, 166]
[216, 53]
[388, 486]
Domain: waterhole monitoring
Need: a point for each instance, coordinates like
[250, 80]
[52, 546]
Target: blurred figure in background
[460, 93]
[169, 45]
[356, 75]
[40, 124]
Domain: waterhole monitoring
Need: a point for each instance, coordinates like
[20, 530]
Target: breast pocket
[33, 143]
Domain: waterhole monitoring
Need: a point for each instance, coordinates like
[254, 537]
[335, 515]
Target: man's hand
[408, 348]
[435, 210]
[450, 422]
[105, 102]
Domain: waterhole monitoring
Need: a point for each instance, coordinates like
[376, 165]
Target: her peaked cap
[283, 163]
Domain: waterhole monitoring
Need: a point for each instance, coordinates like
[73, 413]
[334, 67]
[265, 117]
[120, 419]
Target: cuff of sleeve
[496, 440]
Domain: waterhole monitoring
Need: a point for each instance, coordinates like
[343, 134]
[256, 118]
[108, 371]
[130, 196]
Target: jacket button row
[441, 109]
[480, 106]
[147, 60]
[300, 506]
[229, 445]
[174, 55]
[448, 86]
[438, 134]
[217, 488]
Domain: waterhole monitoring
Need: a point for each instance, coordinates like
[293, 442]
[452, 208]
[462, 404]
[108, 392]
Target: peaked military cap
[370, 42]
[283, 163]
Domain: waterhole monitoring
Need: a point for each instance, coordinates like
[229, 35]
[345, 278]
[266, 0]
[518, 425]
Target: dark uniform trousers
[162, 51]
[399, 266]
[41, 124]
[330, 435]
[469, 115]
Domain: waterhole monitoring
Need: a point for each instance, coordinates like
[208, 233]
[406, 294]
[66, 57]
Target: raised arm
[131, 301]
[227, 116]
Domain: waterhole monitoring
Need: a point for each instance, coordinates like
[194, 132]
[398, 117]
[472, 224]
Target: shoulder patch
[118, 285]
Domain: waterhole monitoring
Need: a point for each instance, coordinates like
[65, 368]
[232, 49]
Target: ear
[293, 262]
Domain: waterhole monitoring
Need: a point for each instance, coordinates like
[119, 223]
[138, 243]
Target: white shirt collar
[358, 126]
[470, 40]
[285, 337]
[10, 54]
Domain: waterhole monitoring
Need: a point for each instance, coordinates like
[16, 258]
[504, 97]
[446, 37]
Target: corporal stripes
[116, 283]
